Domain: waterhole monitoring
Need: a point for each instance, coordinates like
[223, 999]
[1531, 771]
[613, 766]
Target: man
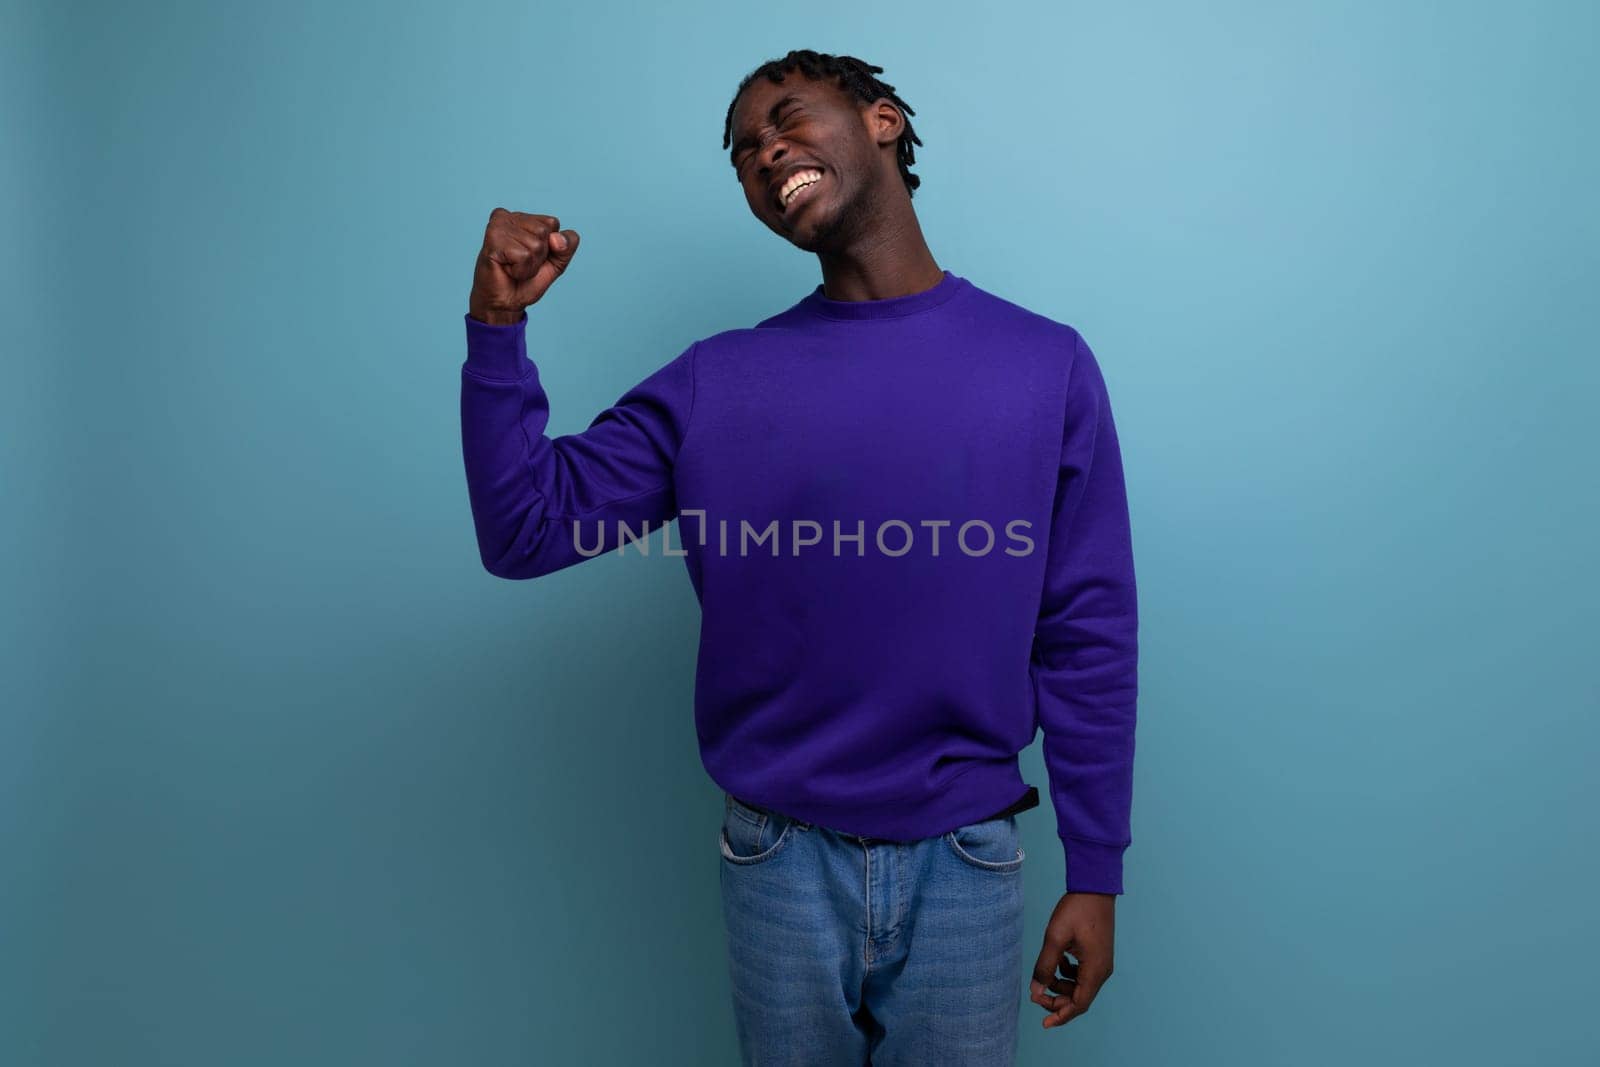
[911, 547]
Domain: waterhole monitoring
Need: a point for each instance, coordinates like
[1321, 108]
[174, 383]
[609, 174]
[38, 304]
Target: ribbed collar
[893, 307]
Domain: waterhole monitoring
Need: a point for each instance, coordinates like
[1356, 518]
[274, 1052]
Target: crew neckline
[892, 307]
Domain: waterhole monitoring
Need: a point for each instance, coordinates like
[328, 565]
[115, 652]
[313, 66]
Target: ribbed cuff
[1092, 867]
[498, 351]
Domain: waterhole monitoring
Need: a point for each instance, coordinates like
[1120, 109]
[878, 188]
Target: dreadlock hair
[854, 76]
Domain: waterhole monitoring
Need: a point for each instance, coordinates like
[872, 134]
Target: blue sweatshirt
[906, 524]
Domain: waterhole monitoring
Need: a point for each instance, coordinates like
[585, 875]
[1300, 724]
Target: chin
[820, 236]
[811, 242]
[806, 242]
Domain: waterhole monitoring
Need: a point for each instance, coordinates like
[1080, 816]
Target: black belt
[1030, 799]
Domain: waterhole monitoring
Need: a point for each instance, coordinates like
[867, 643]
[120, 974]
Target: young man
[910, 542]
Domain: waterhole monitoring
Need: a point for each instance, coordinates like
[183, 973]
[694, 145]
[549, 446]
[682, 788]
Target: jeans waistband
[1028, 800]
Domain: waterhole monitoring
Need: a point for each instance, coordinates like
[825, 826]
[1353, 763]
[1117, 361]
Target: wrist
[495, 316]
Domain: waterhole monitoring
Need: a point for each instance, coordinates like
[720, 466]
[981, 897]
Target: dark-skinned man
[903, 514]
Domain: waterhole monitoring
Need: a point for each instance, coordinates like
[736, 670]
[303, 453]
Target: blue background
[285, 777]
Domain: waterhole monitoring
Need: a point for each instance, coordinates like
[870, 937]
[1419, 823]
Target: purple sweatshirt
[906, 524]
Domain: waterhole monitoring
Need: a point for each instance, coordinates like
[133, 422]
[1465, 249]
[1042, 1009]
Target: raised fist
[522, 256]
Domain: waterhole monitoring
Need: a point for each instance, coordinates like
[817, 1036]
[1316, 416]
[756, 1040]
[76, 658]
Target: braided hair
[854, 76]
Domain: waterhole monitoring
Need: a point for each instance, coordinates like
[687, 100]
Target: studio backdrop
[287, 778]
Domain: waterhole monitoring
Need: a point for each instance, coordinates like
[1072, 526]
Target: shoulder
[1055, 335]
[1056, 342]
[1064, 345]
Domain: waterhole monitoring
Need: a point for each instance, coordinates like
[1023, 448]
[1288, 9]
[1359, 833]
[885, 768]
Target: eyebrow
[772, 116]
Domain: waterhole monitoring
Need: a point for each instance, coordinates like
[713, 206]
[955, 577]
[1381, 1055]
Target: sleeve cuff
[1093, 867]
[498, 351]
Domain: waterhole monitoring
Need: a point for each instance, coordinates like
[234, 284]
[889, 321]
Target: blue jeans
[845, 951]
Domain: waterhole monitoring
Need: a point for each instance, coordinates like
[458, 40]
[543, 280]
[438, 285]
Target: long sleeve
[1085, 656]
[542, 503]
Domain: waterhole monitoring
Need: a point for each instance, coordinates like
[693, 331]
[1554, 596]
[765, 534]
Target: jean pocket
[993, 845]
[749, 835]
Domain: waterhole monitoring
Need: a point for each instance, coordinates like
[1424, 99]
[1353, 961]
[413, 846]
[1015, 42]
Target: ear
[885, 121]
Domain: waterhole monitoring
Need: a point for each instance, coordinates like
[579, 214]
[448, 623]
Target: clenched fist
[522, 256]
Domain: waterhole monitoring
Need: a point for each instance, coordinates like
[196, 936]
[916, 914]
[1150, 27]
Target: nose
[772, 153]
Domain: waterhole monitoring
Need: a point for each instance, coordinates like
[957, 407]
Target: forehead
[756, 102]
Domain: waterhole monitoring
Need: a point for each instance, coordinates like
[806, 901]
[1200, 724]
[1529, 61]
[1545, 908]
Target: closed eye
[784, 122]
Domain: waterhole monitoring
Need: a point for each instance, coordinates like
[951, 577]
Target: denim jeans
[845, 951]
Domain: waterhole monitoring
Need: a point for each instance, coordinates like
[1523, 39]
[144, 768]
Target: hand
[522, 256]
[1083, 924]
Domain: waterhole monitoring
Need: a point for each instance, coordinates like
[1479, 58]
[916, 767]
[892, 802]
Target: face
[814, 132]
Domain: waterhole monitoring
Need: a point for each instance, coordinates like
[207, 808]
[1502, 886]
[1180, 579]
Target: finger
[1067, 1008]
[1091, 976]
[1054, 994]
[1044, 969]
[510, 246]
[1051, 957]
[1058, 1009]
[1066, 976]
[1060, 980]
[563, 243]
[518, 257]
[1061, 1009]
[534, 224]
[519, 254]
[522, 217]
[522, 227]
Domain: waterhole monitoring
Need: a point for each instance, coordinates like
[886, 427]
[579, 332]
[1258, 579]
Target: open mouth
[800, 187]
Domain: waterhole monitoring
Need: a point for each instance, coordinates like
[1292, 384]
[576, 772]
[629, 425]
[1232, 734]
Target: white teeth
[796, 183]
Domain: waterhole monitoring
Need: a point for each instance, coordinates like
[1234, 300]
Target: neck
[892, 260]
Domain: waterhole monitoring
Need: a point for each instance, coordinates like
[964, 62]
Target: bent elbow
[519, 561]
[510, 568]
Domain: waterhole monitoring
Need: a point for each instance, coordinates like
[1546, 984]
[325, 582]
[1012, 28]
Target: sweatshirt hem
[974, 793]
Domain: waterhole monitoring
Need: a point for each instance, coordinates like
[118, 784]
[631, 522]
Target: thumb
[563, 246]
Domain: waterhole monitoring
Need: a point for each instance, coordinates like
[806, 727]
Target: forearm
[503, 412]
[1087, 697]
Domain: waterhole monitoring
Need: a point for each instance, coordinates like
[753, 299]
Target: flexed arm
[541, 503]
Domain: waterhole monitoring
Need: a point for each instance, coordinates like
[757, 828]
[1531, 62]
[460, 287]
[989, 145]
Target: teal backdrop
[287, 778]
